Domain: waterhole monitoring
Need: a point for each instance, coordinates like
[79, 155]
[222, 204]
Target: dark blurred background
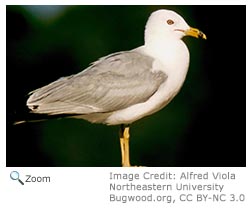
[203, 126]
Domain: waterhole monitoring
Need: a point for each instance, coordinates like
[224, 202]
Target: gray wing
[112, 83]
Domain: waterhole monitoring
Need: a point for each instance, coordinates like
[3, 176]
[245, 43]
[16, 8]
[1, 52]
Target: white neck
[173, 54]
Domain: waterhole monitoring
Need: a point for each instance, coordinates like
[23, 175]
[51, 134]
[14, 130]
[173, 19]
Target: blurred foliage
[203, 126]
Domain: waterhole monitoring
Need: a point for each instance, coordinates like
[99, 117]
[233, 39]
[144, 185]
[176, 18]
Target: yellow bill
[194, 32]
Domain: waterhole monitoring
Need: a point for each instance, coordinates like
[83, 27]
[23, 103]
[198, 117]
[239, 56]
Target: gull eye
[170, 22]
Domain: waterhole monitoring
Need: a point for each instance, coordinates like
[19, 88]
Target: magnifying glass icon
[14, 175]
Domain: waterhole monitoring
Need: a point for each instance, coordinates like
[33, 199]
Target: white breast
[174, 62]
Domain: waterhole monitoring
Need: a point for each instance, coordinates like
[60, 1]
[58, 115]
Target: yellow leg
[124, 142]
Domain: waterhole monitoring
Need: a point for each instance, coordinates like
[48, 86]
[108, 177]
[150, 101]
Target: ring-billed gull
[126, 86]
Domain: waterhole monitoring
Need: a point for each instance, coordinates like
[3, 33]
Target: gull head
[168, 25]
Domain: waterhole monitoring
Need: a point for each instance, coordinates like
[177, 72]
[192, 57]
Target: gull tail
[34, 118]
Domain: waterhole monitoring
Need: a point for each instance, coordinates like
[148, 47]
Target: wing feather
[112, 83]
